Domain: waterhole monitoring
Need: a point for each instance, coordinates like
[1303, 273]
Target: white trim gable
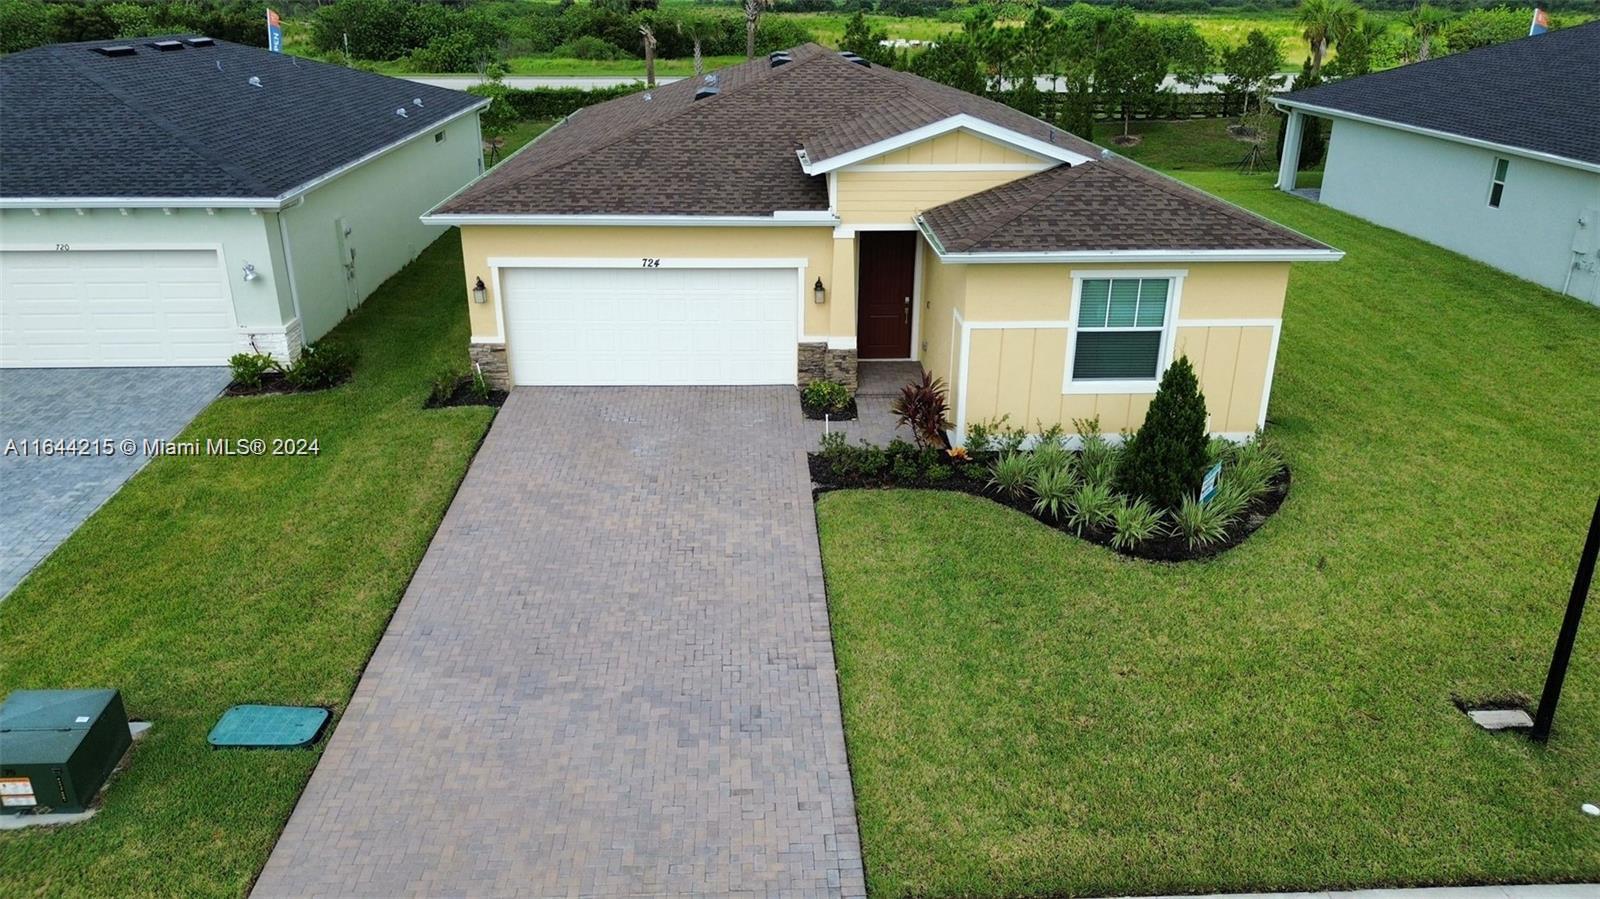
[959, 122]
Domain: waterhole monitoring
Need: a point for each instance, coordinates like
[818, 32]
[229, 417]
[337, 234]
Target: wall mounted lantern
[249, 272]
[480, 294]
[819, 294]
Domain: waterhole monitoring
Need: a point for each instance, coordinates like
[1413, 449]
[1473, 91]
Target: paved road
[612, 674]
[44, 498]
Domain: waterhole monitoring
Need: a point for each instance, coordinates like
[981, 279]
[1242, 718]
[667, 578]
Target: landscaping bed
[464, 390]
[902, 465]
[825, 399]
[320, 366]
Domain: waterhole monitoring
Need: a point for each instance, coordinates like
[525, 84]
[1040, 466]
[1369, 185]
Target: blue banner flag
[1541, 22]
[274, 32]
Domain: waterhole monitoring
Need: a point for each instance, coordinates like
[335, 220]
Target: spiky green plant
[1092, 505]
[1200, 524]
[1010, 474]
[1133, 522]
[1052, 491]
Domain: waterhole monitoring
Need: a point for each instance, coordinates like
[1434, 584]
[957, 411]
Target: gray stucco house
[173, 201]
[1494, 154]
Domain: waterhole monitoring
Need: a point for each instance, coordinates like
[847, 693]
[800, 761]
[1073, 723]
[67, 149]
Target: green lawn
[519, 135]
[1028, 714]
[1190, 144]
[207, 582]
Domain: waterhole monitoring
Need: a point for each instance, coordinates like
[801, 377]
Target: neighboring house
[172, 201]
[785, 218]
[1494, 154]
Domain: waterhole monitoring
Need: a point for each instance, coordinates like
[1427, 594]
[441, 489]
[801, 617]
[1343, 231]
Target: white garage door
[114, 307]
[651, 326]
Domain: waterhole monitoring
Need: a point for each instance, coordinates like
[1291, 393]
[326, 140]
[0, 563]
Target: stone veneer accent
[282, 344]
[818, 362]
[491, 358]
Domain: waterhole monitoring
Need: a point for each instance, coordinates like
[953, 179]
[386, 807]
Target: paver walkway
[43, 498]
[611, 675]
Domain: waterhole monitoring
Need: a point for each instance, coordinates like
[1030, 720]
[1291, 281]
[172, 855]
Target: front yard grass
[1028, 714]
[207, 582]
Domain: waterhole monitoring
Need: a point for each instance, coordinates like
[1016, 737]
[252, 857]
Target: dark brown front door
[887, 271]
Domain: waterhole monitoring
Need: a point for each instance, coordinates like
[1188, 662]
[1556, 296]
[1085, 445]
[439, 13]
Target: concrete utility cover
[1500, 719]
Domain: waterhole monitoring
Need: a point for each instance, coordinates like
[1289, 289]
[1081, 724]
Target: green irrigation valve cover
[268, 727]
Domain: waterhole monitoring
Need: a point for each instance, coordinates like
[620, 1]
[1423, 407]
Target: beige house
[794, 217]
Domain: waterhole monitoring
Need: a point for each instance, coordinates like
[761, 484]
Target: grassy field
[1030, 715]
[207, 582]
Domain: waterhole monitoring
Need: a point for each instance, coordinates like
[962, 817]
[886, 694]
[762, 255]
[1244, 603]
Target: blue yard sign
[274, 32]
[1208, 487]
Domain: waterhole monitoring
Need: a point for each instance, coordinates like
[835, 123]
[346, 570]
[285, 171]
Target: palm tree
[694, 25]
[1425, 22]
[752, 17]
[648, 32]
[1325, 22]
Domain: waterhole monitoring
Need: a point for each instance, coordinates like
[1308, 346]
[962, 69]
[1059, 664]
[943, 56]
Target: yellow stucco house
[797, 215]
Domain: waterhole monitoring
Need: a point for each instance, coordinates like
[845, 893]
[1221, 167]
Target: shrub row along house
[790, 216]
[1493, 153]
[173, 201]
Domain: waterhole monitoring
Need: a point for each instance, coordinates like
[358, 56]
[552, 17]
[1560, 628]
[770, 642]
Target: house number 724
[651, 263]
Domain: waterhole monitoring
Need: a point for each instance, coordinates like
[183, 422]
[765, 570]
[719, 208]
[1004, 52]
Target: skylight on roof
[114, 50]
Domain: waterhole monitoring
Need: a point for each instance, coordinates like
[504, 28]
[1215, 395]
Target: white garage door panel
[114, 307]
[651, 326]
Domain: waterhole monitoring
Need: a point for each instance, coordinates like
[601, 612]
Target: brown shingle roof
[1110, 204]
[731, 154]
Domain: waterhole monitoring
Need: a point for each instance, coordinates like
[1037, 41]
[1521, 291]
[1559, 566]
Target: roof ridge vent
[852, 57]
[779, 58]
[165, 46]
[115, 50]
[199, 42]
[707, 90]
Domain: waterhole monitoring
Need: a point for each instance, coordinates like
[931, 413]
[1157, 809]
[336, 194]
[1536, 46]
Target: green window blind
[1120, 355]
[1119, 328]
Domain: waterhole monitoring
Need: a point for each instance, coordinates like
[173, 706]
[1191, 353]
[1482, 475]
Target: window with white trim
[1121, 330]
[1497, 183]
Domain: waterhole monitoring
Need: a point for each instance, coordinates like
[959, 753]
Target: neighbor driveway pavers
[43, 499]
[611, 676]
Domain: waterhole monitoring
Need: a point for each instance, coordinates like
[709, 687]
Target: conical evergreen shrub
[1165, 459]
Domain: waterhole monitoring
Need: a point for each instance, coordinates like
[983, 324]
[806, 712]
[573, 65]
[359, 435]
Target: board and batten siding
[896, 186]
[943, 298]
[1227, 324]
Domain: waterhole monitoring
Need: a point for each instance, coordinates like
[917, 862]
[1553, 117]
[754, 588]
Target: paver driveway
[43, 498]
[612, 674]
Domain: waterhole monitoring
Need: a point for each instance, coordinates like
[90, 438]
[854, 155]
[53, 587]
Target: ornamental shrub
[823, 395]
[320, 365]
[1166, 458]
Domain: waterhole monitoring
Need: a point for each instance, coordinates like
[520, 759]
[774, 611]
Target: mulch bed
[271, 382]
[972, 478]
[815, 414]
[464, 395]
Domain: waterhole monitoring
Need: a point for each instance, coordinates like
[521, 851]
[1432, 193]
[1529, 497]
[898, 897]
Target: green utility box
[57, 747]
